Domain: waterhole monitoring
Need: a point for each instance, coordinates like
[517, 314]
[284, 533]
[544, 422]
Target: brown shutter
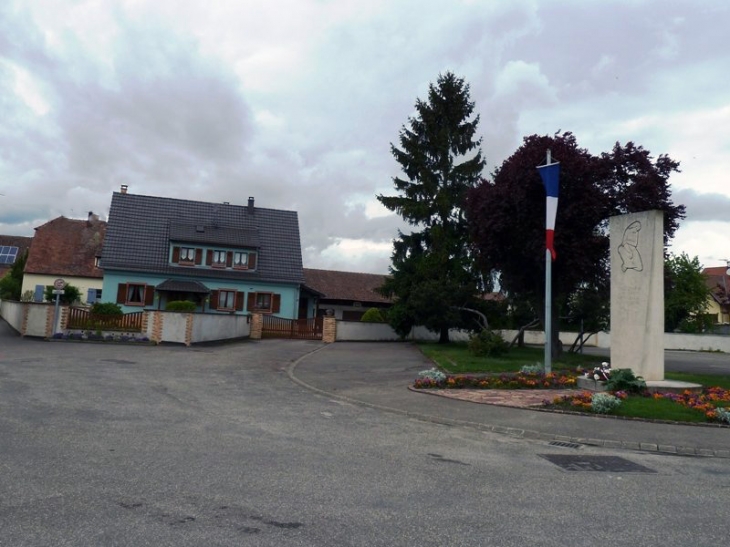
[149, 295]
[121, 293]
[251, 304]
[229, 259]
[251, 261]
[198, 256]
[275, 303]
[239, 301]
[176, 254]
[214, 300]
[209, 257]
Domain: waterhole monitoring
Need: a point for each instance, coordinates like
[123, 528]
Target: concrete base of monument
[663, 386]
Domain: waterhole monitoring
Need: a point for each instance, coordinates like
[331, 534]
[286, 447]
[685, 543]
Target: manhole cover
[564, 444]
[610, 464]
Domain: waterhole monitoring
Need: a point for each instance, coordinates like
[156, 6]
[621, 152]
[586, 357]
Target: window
[187, 254]
[135, 294]
[219, 259]
[8, 254]
[240, 259]
[226, 300]
[264, 302]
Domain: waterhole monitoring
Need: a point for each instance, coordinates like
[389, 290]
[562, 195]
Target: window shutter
[214, 300]
[90, 296]
[229, 259]
[176, 254]
[239, 301]
[251, 261]
[276, 303]
[121, 293]
[149, 295]
[38, 295]
[251, 304]
[209, 257]
[198, 256]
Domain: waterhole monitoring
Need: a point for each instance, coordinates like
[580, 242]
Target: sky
[296, 103]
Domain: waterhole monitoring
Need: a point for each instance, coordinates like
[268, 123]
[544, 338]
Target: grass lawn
[455, 358]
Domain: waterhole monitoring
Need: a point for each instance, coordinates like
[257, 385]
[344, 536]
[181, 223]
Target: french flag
[551, 179]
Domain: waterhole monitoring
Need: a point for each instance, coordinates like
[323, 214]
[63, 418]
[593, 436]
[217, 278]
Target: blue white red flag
[551, 179]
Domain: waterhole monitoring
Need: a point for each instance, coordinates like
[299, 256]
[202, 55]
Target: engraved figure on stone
[628, 250]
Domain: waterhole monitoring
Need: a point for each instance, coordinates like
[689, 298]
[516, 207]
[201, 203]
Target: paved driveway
[213, 446]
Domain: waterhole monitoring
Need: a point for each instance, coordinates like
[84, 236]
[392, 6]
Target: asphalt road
[216, 446]
[697, 362]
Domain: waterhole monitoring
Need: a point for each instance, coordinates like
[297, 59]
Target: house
[718, 281]
[348, 294]
[68, 249]
[12, 248]
[225, 258]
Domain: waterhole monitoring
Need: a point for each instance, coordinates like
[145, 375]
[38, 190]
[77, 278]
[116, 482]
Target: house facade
[231, 259]
[347, 294]
[718, 303]
[68, 249]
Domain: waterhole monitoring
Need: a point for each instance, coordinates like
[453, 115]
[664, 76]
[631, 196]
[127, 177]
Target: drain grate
[564, 444]
[610, 464]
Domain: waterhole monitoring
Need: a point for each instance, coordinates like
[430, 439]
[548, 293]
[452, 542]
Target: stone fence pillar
[257, 326]
[329, 330]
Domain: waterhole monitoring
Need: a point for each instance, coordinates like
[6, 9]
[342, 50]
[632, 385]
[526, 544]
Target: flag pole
[548, 301]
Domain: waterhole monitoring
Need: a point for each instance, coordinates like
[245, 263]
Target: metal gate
[301, 329]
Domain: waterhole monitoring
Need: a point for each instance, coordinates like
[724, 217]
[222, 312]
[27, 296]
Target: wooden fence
[302, 329]
[80, 318]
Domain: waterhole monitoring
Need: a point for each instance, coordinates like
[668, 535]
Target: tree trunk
[444, 335]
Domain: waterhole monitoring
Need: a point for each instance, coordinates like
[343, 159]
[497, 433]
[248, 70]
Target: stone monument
[637, 293]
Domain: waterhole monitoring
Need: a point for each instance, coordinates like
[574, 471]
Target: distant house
[718, 305]
[347, 294]
[12, 248]
[67, 249]
[225, 258]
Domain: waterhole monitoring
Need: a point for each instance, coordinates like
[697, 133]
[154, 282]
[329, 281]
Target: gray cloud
[703, 206]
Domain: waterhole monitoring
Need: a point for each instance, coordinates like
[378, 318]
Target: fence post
[257, 326]
[329, 330]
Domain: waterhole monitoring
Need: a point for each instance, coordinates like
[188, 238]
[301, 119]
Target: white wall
[12, 312]
[174, 326]
[208, 327]
[356, 331]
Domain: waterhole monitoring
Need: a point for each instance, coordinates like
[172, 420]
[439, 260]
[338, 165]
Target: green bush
[603, 403]
[623, 379]
[106, 308]
[373, 315]
[70, 294]
[181, 305]
[487, 344]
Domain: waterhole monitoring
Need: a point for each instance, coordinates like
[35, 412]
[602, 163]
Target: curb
[509, 431]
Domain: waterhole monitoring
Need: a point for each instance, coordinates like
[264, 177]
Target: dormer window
[187, 255]
[240, 260]
[219, 259]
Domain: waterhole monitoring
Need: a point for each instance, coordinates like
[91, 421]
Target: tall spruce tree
[432, 270]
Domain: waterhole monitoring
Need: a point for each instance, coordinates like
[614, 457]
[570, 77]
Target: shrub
[623, 379]
[487, 343]
[603, 403]
[106, 308]
[70, 294]
[537, 368]
[373, 315]
[723, 414]
[181, 305]
[433, 374]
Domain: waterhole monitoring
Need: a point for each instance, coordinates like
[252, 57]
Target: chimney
[250, 205]
[124, 188]
[92, 218]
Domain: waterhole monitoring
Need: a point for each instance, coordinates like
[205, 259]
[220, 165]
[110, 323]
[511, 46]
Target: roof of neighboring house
[66, 246]
[141, 229]
[357, 287]
[21, 242]
[718, 282]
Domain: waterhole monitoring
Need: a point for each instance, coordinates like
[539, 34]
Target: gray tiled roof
[140, 228]
[177, 285]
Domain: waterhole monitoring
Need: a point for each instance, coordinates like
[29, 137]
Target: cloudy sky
[295, 102]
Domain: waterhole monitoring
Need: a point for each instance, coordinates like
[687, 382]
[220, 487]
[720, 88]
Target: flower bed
[503, 381]
[709, 402]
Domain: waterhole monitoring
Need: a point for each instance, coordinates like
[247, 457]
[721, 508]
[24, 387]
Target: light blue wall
[289, 293]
